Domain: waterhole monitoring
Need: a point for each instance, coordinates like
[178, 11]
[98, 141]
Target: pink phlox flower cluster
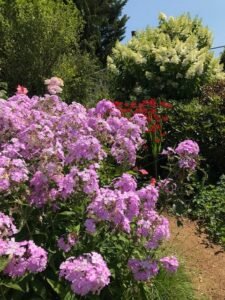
[12, 172]
[115, 207]
[24, 257]
[161, 232]
[67, 241]
[87, 273]
[7, 227]
[143, 270]
[126, 183]
[153, 227]
[90, 226]
[54, 85]
[149, 196]
[170, 263]
[187, 152]
[187, 147]
[106, 108]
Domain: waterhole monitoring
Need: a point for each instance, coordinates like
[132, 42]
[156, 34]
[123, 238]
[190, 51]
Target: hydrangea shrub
[73, 220]
[172, 60]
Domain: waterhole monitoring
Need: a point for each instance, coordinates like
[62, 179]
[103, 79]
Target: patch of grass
[173, 286]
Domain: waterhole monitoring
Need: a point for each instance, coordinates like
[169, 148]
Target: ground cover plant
[210, 210]
[73, 220]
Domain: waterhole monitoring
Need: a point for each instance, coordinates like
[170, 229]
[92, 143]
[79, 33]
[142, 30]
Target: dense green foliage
[103, 26]
[210, 210]
[172, 60]
[34, 36]
[85, 81]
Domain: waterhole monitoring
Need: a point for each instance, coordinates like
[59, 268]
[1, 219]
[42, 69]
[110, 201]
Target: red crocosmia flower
[143, 172]
[157, 141]
[133, 104]
[166, 104]
[149, 118]
[117, 103]
[153, 128]
[153, 181]
[145, 102]
[152, 102]
[21, 90]
[165, 118]
[152, 111]
[156, 117]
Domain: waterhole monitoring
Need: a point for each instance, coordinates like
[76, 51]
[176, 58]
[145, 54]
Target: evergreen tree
[104, 25]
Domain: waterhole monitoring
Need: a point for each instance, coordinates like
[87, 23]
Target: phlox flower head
[87, 273]
[26, 257]
[170, 263]
[7, 227]
[187, 147]
[188, 163]
[149, 196]
[126, 183]
[161, 232]
[90, 226]
[66, 242]
[143, 270]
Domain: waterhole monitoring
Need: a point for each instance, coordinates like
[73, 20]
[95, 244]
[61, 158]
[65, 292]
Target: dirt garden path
[204, 262]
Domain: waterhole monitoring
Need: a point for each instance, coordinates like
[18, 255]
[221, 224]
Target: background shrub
[172, 60]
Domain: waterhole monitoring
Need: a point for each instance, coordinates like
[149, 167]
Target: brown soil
[205, 262]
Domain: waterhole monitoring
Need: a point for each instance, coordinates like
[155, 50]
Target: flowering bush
[172, 60]
[70, 210]
[183, 162]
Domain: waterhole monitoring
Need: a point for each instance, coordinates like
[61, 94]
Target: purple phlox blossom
[87, 273]
[106, 108]
[126, 183]
[90, 181]
[7, 227]
[188, 163]
[90, 226]
[149, 196]
[124, 150]
[170, 263]
[27, 257]
[143, 270]
[12, 171]
[67, 241]
[187, 147]
[116, 207]
[85, 148]
[140, 120]
[161, 232]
